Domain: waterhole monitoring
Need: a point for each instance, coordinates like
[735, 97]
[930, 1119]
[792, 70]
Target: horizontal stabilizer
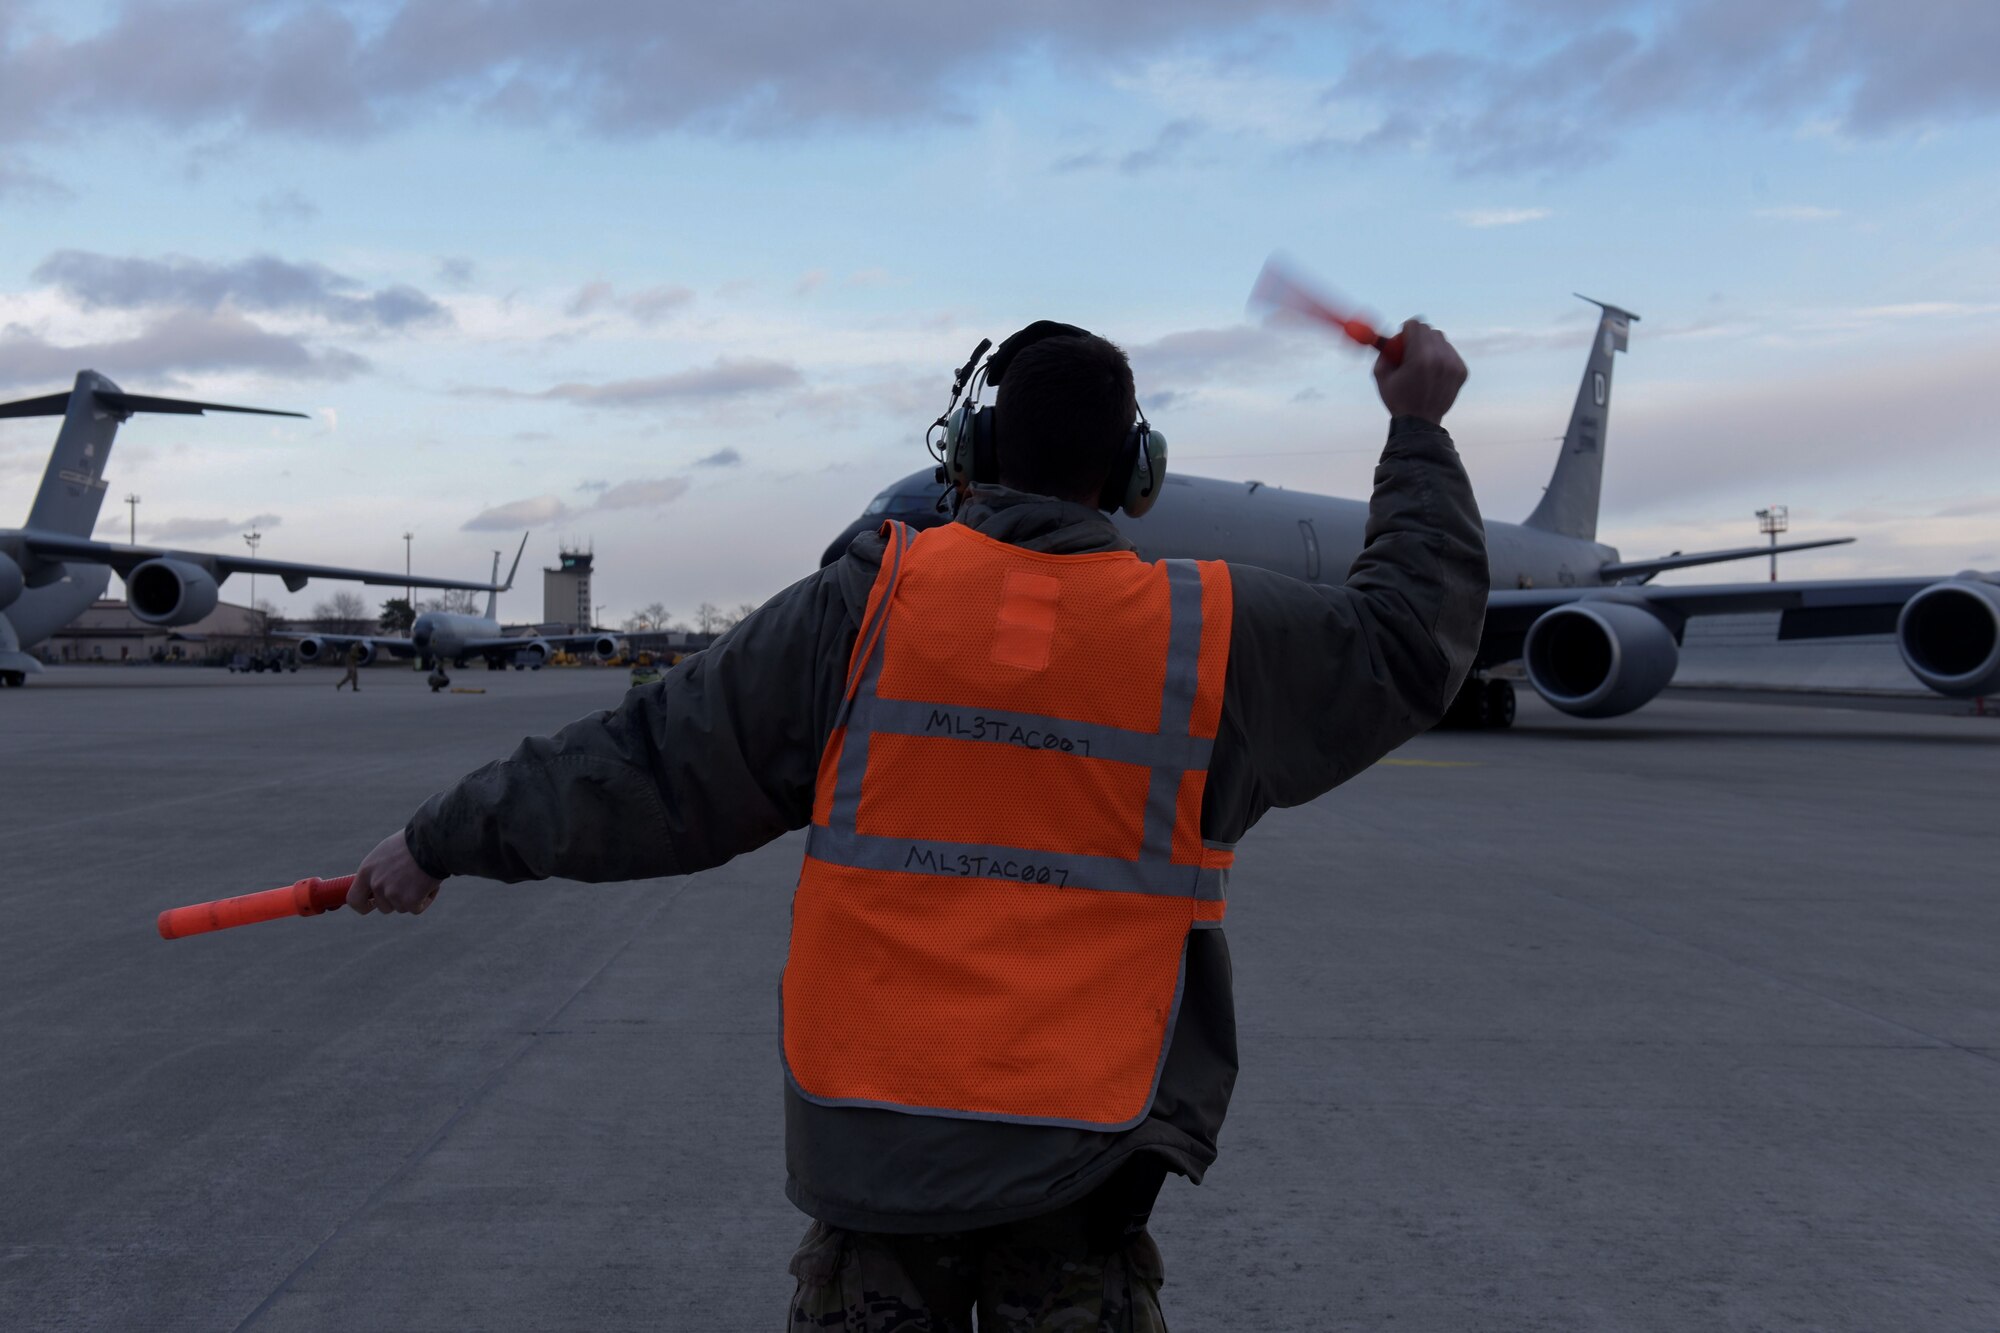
[1630, 569]
[52, 405]
[57, 404]
[139, 402]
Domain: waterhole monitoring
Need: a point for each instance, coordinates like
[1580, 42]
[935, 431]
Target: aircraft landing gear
[1481, 705]
[13, 680]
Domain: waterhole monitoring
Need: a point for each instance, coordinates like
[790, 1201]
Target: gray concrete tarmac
[1684, 1021]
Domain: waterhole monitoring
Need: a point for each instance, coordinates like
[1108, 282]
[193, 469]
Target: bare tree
[652, 616]
[742, 612]
[344, 612]
[708, 619]
[458, 601]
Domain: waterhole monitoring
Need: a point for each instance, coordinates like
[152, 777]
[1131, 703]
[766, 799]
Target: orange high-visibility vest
[1005, 857]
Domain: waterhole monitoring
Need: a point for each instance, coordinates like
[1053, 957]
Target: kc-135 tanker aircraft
[1595, 638]
[51, 570]
[450, 636]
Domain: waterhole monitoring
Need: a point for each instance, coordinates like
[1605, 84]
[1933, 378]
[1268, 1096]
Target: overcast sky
[688, 284]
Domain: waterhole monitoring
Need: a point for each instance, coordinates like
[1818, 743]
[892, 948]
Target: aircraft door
[1312, 549]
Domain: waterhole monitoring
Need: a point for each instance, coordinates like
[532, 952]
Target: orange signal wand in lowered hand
[308, 897]
[1279, 289]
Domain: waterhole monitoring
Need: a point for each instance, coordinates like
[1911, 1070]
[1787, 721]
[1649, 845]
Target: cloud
[652, 304]
[23, 184]
[720, 458]
[1198, 354]
[540, 510]
[1500, 217]
[281, 207]
[1501, 97]
[516, 514]
[649, 305]
[262, 283]
[725, 378]
[182, 342]
[588, 297]
[1087, 160]
[203, 529]
[456, 271]
[809, 282]
[1165, 149]
[643, 494]
[617, 67]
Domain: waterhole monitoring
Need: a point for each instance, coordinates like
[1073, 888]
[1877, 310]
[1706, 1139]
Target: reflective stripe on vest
[1006, 858]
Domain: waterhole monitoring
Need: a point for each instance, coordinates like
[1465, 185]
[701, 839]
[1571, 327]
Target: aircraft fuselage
[1312, 537]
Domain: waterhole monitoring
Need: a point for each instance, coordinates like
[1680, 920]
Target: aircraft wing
[1810, 610]
[123, 558]
[507, 641]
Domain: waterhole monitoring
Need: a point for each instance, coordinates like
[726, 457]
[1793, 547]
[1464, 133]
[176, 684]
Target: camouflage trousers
[1038, 1276]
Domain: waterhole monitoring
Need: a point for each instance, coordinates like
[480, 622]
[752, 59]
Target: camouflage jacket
[719, 758]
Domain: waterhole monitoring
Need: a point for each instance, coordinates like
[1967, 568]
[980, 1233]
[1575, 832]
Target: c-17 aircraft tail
[1569, 504]
[73, 486]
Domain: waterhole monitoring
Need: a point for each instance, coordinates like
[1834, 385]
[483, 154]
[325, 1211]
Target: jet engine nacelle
[535, 653]
[312, 648]
[1949, 635]
[607, 647]
[12, 580]
[170, 592]
[1599, 658]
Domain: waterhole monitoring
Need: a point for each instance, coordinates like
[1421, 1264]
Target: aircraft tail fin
[493, 597]
[1569, 503]
[73, 486]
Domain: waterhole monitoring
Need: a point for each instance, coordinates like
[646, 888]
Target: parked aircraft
[51, 570]
[1595, 636]
[451, 636]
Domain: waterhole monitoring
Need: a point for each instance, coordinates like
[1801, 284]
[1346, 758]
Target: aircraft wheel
[1500, 704]
[13, 680]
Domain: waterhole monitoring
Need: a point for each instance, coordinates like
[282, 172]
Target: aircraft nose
[421, 635]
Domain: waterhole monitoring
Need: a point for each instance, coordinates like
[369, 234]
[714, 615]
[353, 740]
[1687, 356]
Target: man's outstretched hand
[1427, 382]
[390, 880]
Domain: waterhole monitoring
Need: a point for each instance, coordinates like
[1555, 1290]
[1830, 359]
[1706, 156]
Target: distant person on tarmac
[1023, 756]
[437, 680]
[353, 676]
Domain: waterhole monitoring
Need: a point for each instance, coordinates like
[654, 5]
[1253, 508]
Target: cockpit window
[879, 503]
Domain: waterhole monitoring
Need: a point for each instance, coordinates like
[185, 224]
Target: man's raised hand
[1427, 382]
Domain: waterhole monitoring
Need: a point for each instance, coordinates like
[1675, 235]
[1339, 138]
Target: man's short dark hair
[1063, 409]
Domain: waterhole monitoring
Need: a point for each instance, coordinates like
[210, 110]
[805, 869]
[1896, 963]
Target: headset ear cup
[958, 444]
[1149, 471]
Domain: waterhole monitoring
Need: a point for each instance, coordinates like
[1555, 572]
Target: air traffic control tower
[566, 591]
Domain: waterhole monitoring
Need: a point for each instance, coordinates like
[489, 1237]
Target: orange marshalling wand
[1278, 289]
[308, 897]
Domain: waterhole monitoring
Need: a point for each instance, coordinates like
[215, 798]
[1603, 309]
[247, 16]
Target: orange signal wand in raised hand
[1279, 289]
[309, 897]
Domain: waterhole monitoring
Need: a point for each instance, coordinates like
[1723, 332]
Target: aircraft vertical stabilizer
[73, 486]
[1569, 504]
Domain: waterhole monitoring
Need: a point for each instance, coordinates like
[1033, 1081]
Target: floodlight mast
[1771, 522]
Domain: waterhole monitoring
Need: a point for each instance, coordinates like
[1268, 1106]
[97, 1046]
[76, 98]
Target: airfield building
[566, 591]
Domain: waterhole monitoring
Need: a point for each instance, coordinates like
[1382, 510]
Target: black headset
[968, 452]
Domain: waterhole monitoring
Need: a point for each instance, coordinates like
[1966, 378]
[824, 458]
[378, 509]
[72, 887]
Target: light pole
[408, 598]
[1773, 521]
[251, 539]
[132, 533]
[598, 619]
